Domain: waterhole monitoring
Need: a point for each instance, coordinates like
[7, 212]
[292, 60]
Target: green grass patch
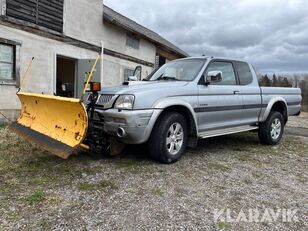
[257, 175]
[244, 157]
[87, 186]
[302, 179]
[249, 157]
[106, 184]
[222, 225]
[44, 224]
[127, 164]
[54, 201]
[157, 192]
[93, 186]
[243, 147]
[217, 166]
[35, 197]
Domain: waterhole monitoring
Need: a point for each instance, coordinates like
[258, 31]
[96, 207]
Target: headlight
[125, 102]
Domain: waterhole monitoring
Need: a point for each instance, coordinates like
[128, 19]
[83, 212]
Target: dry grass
[304, 115]
[41, 192]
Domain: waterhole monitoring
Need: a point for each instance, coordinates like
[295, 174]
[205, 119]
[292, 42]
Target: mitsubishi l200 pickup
[190, 99]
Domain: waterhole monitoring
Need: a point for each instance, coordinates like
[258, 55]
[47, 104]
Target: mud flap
[57, 124]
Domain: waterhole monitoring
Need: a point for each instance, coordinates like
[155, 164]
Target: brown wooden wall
[46, 13]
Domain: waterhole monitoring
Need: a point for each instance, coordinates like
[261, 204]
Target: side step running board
[226, 131]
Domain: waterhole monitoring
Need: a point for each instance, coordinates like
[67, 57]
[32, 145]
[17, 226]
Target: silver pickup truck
[190, 99]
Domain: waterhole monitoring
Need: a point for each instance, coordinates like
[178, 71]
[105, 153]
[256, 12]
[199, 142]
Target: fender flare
[270, 106]
[165, 103]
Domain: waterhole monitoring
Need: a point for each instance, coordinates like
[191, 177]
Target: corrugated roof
[120, 20]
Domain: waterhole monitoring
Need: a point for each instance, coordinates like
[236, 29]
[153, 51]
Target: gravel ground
[130, 192]
[298, 125]
[299, 121]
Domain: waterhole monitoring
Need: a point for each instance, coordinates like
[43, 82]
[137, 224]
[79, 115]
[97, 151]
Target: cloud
[271, 34]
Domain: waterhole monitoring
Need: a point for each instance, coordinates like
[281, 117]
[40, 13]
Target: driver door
[220, 103]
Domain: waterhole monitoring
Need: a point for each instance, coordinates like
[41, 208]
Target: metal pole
[25, 74]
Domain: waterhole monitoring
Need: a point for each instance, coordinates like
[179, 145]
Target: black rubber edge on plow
[56, 147]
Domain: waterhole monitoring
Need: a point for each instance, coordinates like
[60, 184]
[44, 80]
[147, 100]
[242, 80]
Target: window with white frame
[7, 62]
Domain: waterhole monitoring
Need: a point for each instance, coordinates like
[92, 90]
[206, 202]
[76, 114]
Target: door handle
[236, 92]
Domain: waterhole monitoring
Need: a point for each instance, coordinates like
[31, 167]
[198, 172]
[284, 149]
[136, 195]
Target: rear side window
[244, 73]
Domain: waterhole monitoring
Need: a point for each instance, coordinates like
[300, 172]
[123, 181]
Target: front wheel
[271, 131]
[169, 138]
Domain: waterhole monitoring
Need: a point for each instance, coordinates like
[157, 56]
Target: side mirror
[213, 77]
[137, 73]
[132, 78]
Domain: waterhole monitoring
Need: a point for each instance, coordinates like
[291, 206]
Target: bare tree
[296, 79]
[303, 84]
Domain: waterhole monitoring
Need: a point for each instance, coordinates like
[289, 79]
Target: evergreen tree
[265, 81]
[275, 81]
[284, 82]
[303, 84]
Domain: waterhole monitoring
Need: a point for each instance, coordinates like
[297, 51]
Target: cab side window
[244, 73]
[228, 74]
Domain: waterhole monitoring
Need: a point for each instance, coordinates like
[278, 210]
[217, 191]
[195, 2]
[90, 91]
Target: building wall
[114, 70]
[83, 20]
[115, 40]
[42, 76]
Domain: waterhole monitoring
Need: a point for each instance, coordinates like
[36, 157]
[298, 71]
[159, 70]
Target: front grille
[104, 99]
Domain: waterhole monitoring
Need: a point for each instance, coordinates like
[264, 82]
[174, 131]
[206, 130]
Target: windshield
[179, 70]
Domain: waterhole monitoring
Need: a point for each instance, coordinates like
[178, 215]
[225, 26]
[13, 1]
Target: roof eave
[119, 24]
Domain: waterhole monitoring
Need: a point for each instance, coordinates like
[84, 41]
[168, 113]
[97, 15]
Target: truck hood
[136, 87]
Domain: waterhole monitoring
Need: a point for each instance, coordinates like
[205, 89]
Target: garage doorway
[66, 77]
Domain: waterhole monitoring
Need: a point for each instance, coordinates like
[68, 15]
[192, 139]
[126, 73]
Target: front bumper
[137, 124]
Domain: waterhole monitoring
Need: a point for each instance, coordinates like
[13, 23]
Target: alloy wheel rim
[275, 129]
[175, 137]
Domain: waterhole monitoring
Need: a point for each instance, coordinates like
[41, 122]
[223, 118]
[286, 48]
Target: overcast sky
[271, 34]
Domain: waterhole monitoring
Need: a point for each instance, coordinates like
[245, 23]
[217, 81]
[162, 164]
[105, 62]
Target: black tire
[265, 129]
[157, 144]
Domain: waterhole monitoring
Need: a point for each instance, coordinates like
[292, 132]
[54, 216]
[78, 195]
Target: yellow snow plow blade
[57, 124]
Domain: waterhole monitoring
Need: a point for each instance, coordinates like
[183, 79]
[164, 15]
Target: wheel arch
[186, 110]
[278, 104]
[186, 113]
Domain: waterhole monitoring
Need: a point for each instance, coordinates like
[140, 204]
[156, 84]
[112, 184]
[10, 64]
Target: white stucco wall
[115, 40]
[83, 20]
[42, 76]
[114, 70]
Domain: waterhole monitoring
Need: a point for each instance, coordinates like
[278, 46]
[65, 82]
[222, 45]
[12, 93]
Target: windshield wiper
[166, 78]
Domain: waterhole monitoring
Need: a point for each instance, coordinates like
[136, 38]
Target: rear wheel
[169, 138]
[271, 131]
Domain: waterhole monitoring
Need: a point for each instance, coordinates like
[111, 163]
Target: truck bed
[292, 96]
